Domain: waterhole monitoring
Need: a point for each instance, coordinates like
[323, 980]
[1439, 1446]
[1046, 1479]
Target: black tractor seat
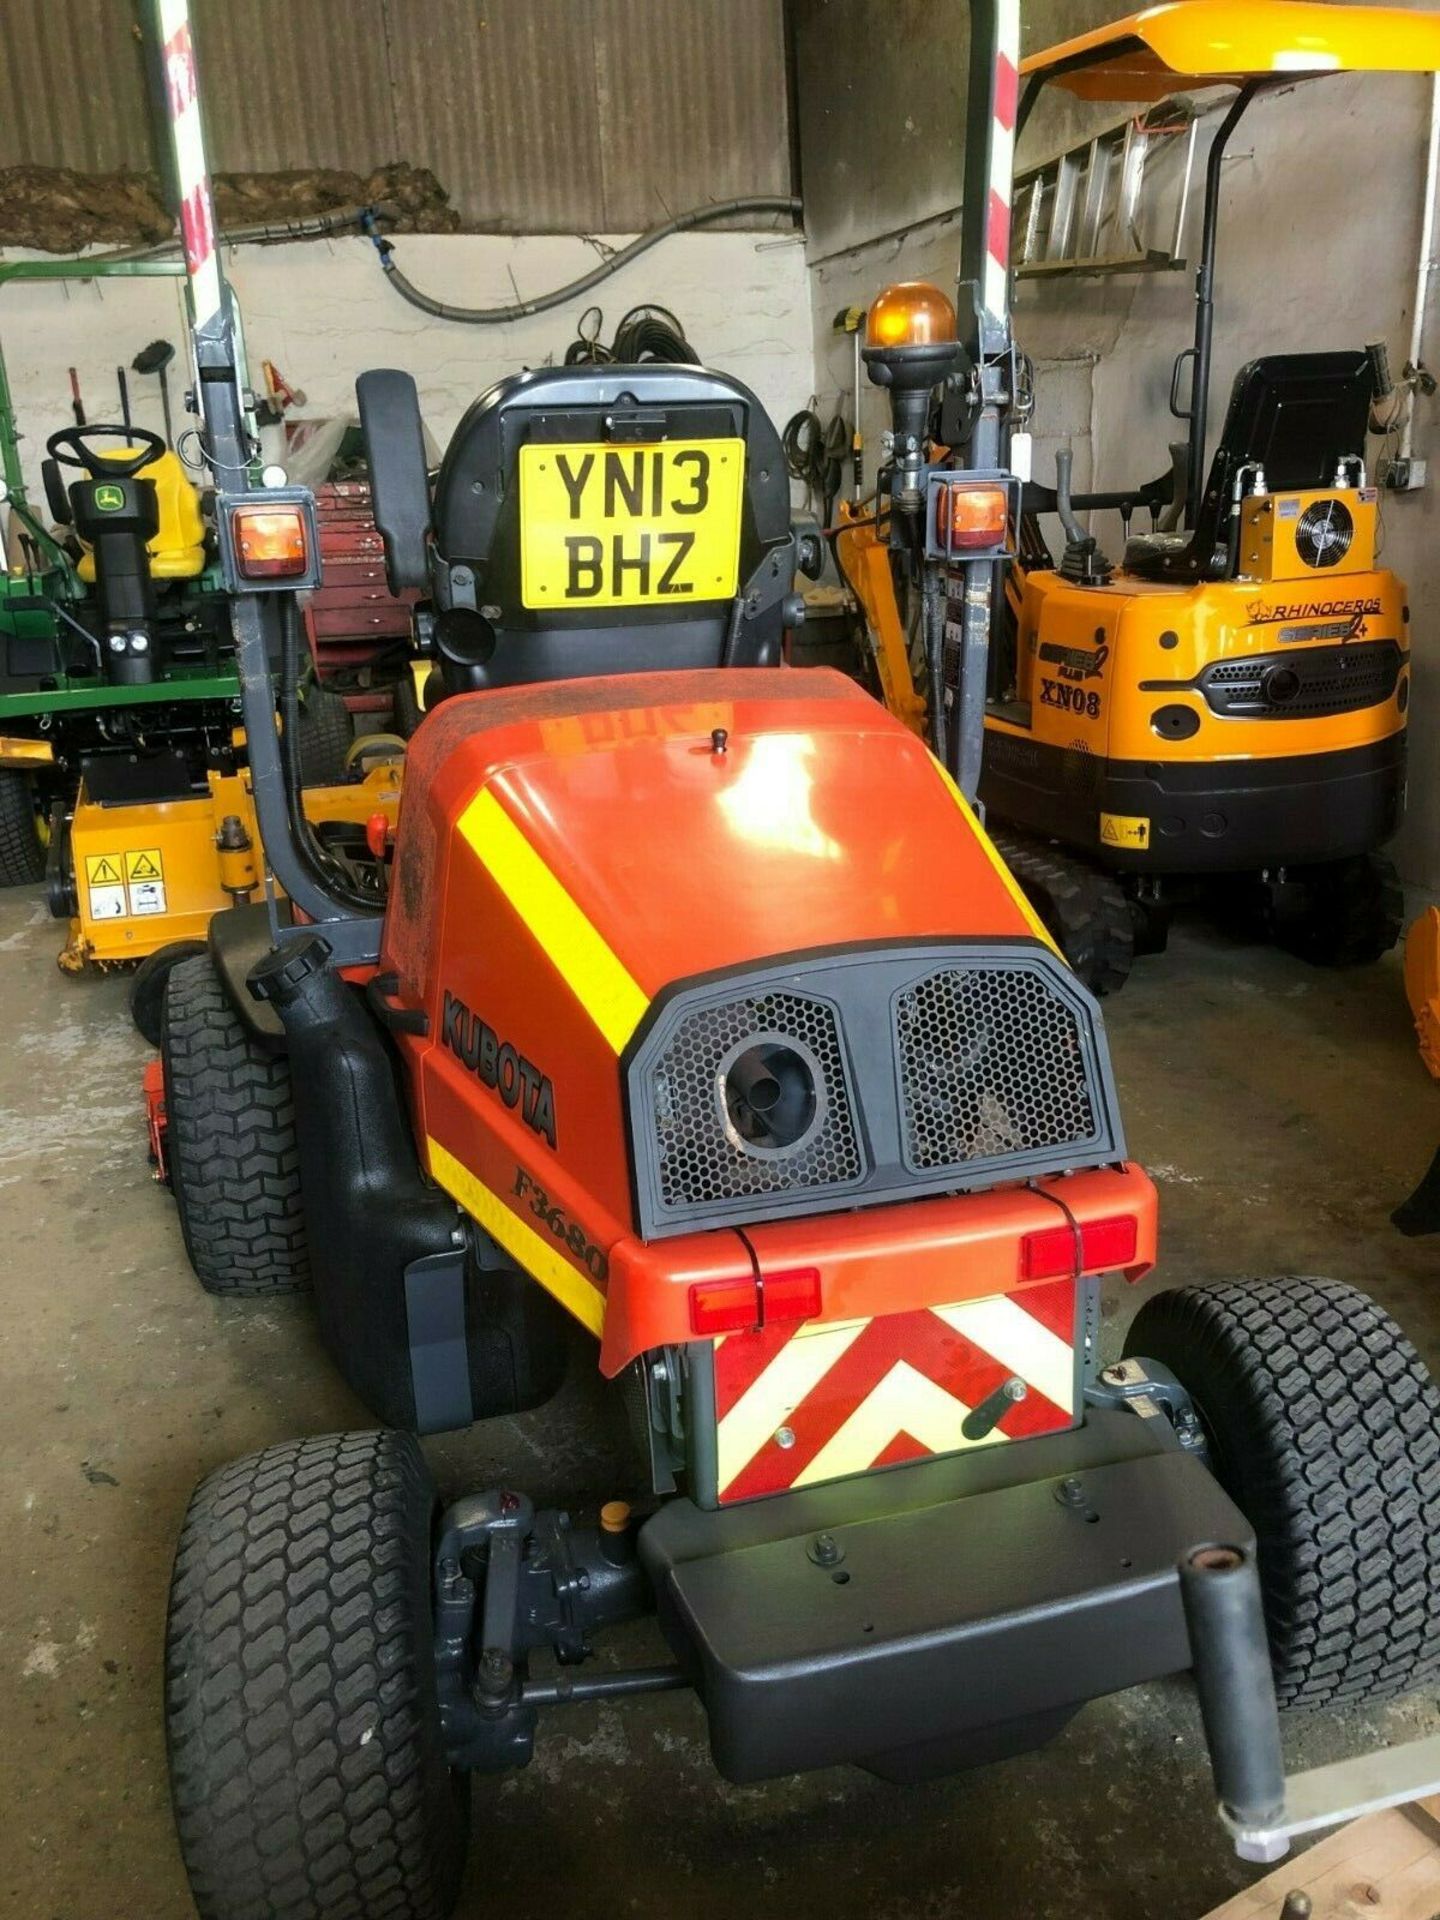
[1296, 415]
[565, 530]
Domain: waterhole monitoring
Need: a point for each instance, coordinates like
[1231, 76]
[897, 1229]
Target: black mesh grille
[991, 1063]
[1304, 685]
[862, 1076]
[700, 1161]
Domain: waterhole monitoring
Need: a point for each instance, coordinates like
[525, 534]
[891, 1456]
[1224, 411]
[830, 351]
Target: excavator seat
[1296, 415]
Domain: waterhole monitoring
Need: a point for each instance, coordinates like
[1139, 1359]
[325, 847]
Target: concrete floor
[1283, 1113]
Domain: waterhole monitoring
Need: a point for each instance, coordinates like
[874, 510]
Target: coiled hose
[815, 456]
[646, 333]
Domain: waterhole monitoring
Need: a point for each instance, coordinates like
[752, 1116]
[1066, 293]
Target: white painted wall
[321, 310]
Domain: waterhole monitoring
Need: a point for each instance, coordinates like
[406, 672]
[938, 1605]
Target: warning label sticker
[118, 885]
[1125, 830]
[145, 877]
[105, 886]
[147, 896]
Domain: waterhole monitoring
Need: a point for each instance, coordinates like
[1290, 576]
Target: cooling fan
[1324, 533]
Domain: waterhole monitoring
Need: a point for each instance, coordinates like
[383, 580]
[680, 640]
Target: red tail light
[736, 1306]
[1104, 1244]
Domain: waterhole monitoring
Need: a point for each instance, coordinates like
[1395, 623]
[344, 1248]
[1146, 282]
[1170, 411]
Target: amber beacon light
[912, 348]
[911, 313]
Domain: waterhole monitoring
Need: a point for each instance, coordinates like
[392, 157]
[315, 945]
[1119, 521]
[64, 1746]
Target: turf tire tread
[306, 1756]
[1329, 1430]
[231, 1144]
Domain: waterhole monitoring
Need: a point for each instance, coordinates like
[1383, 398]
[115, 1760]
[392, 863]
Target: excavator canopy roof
[1188, 43]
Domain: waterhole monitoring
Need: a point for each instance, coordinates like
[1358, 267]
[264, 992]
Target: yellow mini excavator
[1221, 712]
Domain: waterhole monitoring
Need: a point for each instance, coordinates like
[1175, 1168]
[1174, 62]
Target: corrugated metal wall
[71, 85]
[537, 115]
[882, 115]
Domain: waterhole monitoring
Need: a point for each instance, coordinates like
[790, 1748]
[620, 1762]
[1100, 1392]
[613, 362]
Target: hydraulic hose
[523, 309]
[311, 226]
[325, 871]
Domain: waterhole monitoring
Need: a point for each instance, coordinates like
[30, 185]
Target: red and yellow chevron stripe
[798, 1405]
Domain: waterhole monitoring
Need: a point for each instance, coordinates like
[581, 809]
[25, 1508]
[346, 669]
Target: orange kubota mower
[702, 1012]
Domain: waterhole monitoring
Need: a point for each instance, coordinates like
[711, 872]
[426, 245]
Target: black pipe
[1028, 101]
[1220, 1589]
[932, 619]
[1205, 305]
[1036, 498]
[603, 1686]
[522, 309]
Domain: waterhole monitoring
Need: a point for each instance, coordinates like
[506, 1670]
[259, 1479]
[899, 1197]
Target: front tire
[148, 984]
[233, 1154]
[22, 850]
[307, 1762]
[1324, 1428]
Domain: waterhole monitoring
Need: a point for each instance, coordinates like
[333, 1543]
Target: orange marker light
[269, 542]
[970, 517]
[911, 313]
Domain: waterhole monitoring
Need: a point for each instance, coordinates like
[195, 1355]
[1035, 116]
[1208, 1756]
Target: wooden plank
[1384, 1867]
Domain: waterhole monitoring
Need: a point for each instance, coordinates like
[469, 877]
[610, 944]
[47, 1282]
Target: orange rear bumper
[879, 1260]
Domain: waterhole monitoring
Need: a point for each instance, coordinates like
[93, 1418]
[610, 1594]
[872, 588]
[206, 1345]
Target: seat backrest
[1296, 414]
[177, 547]
[597, 520]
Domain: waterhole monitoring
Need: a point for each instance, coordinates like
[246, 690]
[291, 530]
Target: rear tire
[408, 710]
[307, 1761]
[1085, 911]
[1345, 914]
[233, 1155]
[326, 737]
[1324, 1428]
[148, 983]
[22, 851]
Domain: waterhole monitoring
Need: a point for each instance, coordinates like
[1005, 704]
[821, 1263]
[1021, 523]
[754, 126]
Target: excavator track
[1086, 911]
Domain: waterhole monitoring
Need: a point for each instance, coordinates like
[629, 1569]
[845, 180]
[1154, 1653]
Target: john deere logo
[109, 499]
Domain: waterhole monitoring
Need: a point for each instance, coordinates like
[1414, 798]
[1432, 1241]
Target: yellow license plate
[628, 526]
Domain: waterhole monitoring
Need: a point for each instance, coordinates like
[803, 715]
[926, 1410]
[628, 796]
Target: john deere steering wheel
[69, 448]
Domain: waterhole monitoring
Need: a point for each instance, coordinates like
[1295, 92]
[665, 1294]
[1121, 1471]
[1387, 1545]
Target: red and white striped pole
[984, 308]
[1005, 98]
[192, 170]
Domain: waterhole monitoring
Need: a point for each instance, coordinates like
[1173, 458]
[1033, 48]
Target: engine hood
[702, 821]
